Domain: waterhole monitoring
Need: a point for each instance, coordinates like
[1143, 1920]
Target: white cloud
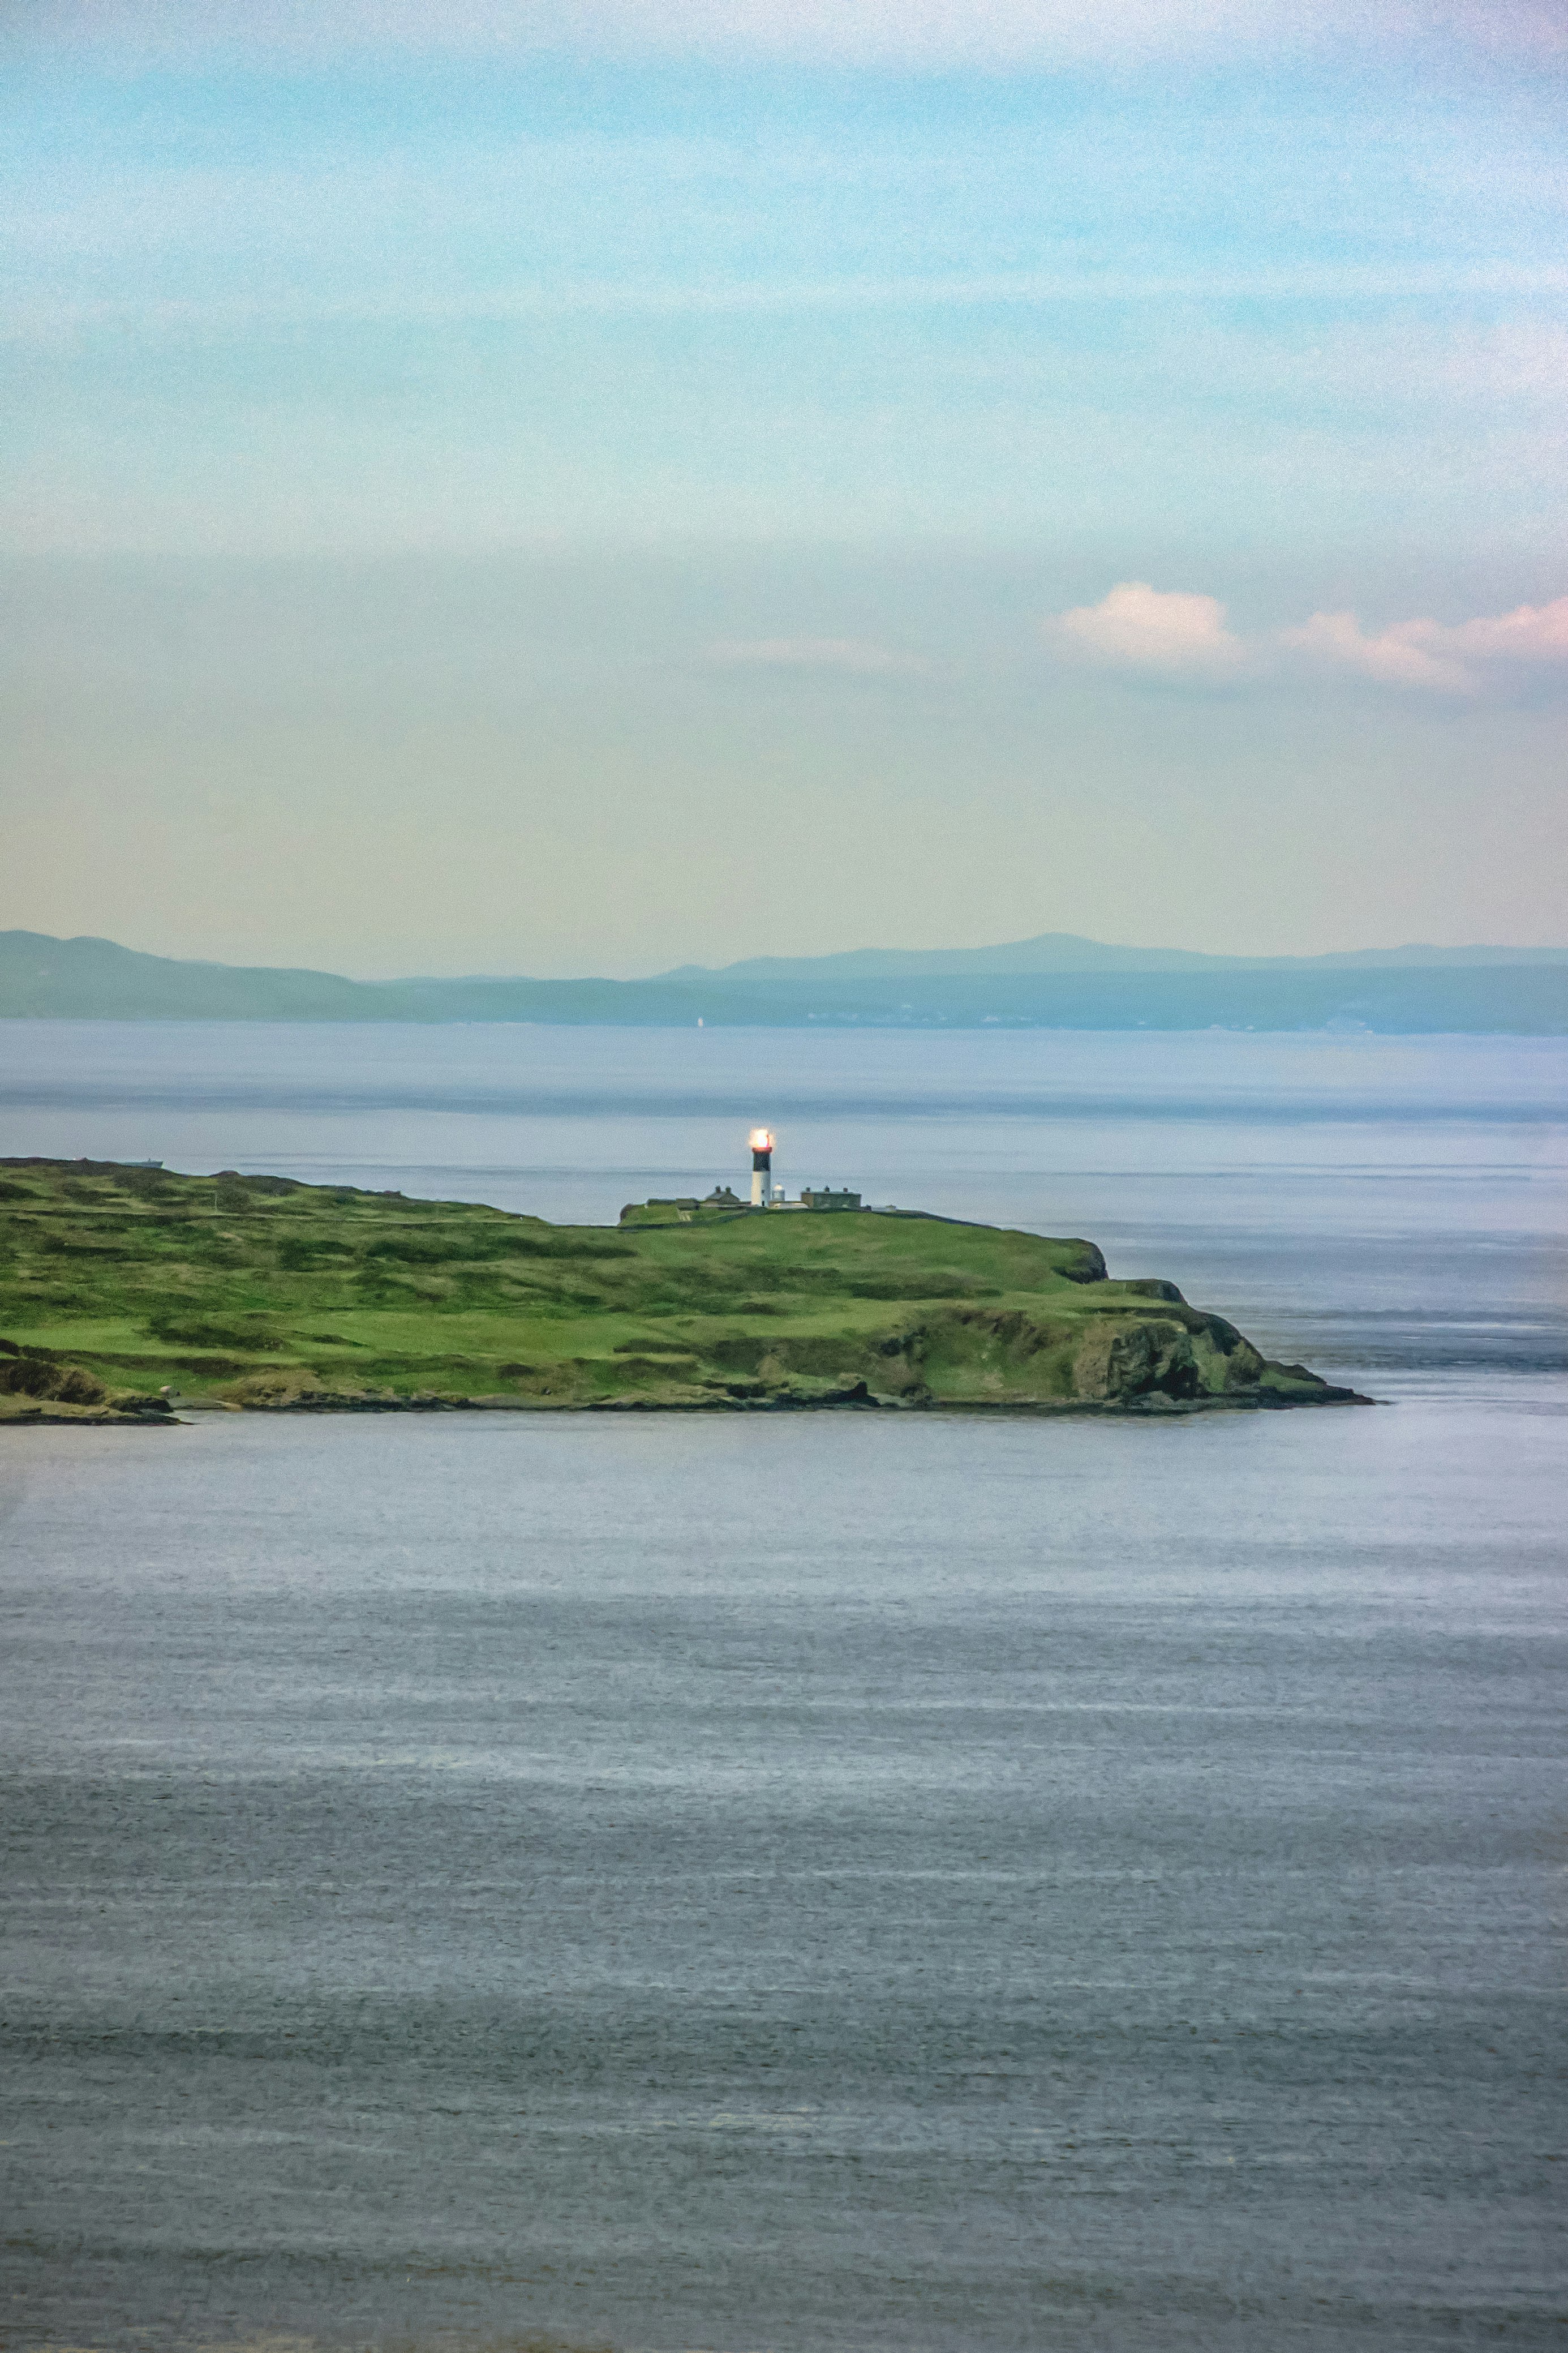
[1530, 633]
[1168, 633]
[1185, 634]
[1338, 641]
[1450, 660]
[851, 654]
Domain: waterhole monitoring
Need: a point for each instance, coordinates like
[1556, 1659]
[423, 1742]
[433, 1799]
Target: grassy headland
[119, 1282]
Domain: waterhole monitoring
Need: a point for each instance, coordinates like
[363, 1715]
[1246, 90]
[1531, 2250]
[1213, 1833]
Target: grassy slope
[259, 1291]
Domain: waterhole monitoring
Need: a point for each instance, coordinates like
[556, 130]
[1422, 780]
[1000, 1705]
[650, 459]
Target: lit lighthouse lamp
[762, 1168]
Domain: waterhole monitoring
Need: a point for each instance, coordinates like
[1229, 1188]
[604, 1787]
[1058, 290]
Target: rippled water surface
[814, 1880]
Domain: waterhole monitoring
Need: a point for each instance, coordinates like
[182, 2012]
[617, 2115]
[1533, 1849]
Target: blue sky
[729, 478]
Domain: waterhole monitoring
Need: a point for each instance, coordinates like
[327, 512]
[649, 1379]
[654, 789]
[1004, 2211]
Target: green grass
[259, 1292]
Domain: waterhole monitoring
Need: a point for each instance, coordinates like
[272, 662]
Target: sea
[906, 1882]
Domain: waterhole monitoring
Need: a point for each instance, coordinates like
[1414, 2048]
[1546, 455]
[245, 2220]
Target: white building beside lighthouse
[766, 1196]
[722, 1203]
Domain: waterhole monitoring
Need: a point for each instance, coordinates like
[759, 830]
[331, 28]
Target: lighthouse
[762, 1168]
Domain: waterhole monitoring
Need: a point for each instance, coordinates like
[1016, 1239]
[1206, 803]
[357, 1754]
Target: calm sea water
[815, 1881]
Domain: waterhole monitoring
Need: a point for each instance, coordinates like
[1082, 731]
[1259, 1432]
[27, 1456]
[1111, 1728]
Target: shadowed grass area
[117, 1283]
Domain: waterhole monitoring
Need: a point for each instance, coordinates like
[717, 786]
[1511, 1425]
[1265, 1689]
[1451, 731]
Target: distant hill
[1056, 982]
[1059, 952]
[96, 980]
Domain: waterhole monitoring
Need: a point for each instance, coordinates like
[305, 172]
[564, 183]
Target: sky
[492, 488]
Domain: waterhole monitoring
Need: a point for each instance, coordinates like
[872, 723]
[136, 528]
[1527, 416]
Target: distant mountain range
[1054, 952]
[1057, 981]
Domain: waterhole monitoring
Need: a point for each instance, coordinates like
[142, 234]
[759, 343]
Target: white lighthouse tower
[762, 1168]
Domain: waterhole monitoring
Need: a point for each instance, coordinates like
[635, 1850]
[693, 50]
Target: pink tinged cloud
[1393, 657]
[1430, 654]
[1530, 633]
[1179, 634]
[1165, 633]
